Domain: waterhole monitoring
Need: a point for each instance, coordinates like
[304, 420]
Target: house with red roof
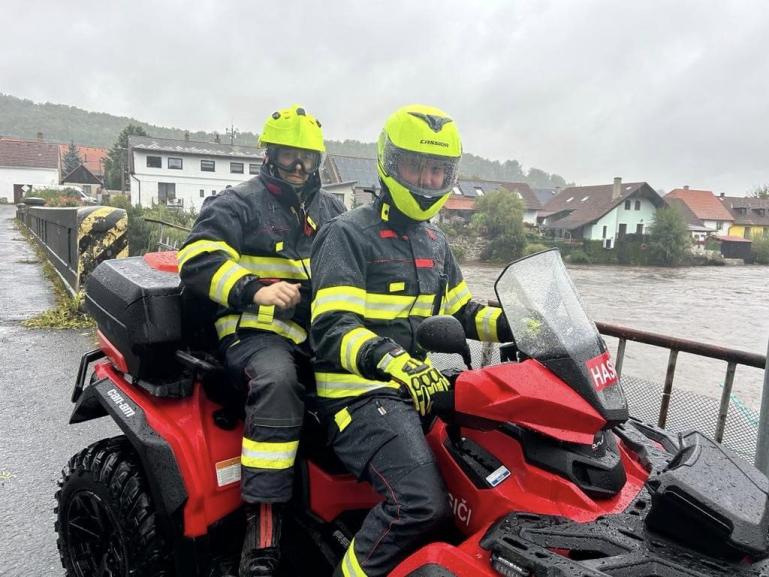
[24, 164]
[706, 207]
[605, 212]
[461, 203]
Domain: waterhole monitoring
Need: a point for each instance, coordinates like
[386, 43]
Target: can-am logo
[434, 143]
[121, 403]
[601, 371]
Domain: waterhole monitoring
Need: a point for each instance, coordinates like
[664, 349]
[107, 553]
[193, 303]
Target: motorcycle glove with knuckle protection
[419, 378]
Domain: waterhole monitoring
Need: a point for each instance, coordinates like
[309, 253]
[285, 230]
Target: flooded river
[727, 306]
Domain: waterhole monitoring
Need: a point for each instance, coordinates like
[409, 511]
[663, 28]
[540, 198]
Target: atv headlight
[508, 568]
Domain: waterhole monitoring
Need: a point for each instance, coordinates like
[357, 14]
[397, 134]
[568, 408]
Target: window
[339, 196]
[637, 205]
[253, 168]
[639, 229]
[236, 167]
[213, 193]
[622, 231]
[174, 163]
[627, 205]
[154, 162]
[570, 199]
[479, 191]
[584, 198]
[603, 235]
[457, 191]
[746, 234]
[208, 166]
[166, 192]
[202, 193]
[719, 225]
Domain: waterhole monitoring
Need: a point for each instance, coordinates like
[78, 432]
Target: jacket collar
[287, 194]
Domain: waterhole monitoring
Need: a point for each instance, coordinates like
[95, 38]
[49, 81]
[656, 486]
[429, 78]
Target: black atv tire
[105, 518]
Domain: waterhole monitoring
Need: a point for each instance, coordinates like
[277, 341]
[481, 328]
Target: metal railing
[166, 243]
[732, 357]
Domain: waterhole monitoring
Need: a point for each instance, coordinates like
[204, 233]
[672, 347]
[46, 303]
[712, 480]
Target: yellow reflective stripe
[457, 297]
[288, 329]
[200, 246]
[340, 385]
[226, 325]
[339, 298]
[486, 323]
[350, 565]
[342, 419]
[276, 267]
[397, 287]
[224, 279]
[264, 455]
[352, 341]
[265, 313]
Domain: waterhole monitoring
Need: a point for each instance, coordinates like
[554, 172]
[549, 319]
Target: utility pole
[233, 132]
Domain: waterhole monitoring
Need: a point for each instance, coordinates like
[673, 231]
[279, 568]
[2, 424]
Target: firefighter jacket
[376, 276]
[251, 235]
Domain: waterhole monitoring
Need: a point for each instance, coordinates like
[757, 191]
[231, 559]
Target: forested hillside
[60, 123]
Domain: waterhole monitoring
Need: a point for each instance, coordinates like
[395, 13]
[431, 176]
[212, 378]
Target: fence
[76, 239]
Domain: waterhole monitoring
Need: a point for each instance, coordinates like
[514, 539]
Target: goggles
[425, 175]
[288, 158]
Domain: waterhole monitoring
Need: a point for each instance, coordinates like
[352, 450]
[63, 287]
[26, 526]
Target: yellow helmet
[418, 159]
[293, 137]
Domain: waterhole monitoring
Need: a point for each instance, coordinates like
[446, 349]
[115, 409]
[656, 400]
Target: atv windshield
[550, 325]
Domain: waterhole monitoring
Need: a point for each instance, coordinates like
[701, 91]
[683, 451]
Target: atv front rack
[526, 545]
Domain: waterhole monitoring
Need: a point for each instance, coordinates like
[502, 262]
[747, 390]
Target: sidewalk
[37, 372]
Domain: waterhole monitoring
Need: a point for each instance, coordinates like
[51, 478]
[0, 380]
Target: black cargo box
[139, 309]
[712, 500]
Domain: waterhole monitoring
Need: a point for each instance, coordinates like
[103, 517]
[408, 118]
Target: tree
[71, 159]
[760, 191]
[669, 238]
[499, 217]
[115, 165]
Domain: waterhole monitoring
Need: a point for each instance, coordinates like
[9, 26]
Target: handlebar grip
[443, 403]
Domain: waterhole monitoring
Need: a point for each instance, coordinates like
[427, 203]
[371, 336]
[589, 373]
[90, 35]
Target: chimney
[616, 190]
[686, 187]
[722, 195]
[40, 137]
[186, 136]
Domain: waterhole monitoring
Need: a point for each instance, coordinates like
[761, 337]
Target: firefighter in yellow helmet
[249, 252]
[378, 271]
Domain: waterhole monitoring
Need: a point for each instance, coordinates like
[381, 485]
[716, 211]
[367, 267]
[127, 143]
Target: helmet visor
[289, 158]
[426, 175]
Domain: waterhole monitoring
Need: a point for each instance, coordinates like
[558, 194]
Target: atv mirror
[443, 334]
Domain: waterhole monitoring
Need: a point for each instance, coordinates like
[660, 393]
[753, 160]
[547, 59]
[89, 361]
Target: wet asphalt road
[37, 372]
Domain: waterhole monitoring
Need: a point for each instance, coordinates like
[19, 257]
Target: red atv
[547, 475]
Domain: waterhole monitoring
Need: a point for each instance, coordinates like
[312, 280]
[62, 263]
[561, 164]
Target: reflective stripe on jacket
[249, 236]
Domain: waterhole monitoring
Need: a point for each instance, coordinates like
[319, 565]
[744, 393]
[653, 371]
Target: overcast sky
[672, 93]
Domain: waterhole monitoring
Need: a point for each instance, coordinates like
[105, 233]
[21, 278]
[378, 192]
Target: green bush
[535, 247]
[760, 251]
[55, 197]
[144, 236]
[578, 257]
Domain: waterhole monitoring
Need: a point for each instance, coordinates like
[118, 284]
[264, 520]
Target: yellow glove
[421, 380]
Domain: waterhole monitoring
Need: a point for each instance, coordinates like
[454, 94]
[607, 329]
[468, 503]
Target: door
[622, 231]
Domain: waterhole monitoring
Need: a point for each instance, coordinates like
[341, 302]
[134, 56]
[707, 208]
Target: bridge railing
[76, 239]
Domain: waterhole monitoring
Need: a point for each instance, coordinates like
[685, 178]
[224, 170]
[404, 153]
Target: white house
[182, 173]
[604, 212]
[25, 164]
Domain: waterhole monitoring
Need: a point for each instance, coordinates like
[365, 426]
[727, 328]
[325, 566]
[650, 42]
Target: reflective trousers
[381, 441]
[274, 372]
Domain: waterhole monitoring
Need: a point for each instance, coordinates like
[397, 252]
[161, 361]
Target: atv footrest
[615, 546]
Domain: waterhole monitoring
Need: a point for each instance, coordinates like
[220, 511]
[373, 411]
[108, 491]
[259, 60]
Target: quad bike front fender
[103, 398]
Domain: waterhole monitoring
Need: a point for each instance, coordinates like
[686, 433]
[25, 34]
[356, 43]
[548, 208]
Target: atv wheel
[105, 517]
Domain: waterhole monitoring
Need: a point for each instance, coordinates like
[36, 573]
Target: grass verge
[66, 313]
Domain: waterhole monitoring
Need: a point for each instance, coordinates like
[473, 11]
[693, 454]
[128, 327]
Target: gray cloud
[669, 92]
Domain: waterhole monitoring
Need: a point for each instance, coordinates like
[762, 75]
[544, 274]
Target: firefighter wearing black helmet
[249, 252]
[378, 271]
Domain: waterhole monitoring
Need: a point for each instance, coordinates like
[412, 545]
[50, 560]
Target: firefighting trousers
[381, 441]
[273, 371]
